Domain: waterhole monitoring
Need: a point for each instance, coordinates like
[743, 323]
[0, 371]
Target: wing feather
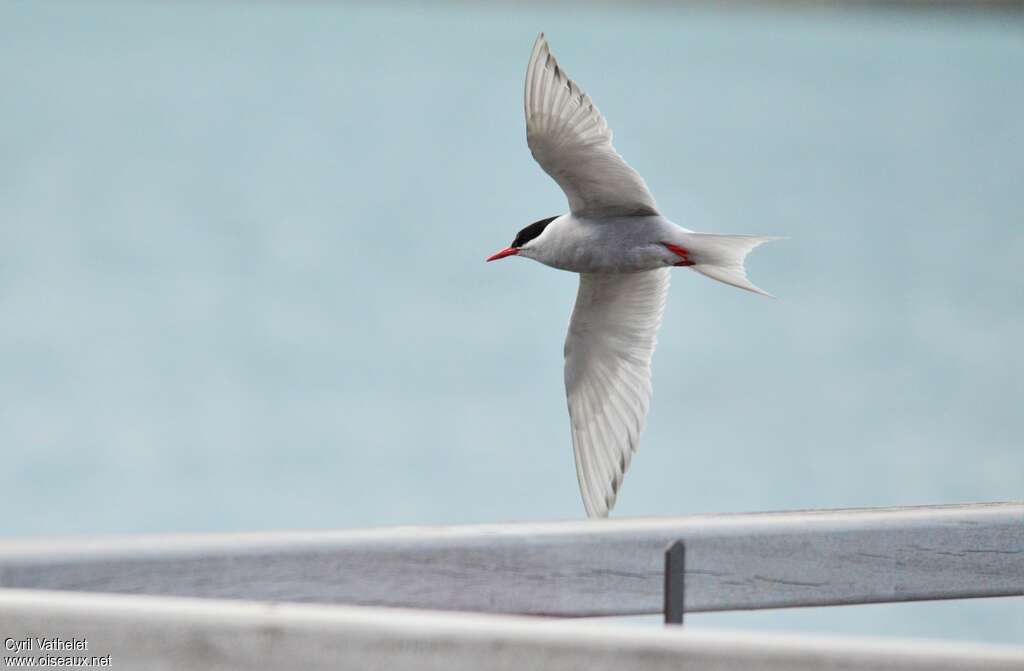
[572, 142]
[608, 351]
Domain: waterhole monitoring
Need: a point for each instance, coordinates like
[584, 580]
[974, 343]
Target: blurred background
[242, 282]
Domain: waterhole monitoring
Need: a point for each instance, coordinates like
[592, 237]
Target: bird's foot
[682, 252]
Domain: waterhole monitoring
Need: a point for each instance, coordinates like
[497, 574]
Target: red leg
[682, 252]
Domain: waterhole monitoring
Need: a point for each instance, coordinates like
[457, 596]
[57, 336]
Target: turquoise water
[242, 282]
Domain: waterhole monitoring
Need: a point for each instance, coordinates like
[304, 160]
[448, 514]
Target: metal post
[675, 582]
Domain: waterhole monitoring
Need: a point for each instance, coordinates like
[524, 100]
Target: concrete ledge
[163, 633]
[579, 568]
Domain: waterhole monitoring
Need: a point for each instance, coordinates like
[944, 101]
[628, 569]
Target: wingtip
[542, 46]
[595, 511]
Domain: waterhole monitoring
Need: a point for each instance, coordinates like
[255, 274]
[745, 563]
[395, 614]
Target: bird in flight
[623, 250]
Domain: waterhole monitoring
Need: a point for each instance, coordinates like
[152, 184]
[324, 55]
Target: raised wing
[608, 376]
[573, 143]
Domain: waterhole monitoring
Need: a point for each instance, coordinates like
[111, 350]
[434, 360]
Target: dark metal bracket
[675, 582]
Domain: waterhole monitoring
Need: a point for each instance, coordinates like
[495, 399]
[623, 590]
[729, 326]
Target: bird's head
[526, 240]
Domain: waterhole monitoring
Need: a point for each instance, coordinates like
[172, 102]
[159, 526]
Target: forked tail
[720, 257]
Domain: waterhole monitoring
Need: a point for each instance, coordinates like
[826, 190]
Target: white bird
[623, 250]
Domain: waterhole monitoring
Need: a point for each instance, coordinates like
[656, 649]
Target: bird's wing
[572, 142]
[608, 353]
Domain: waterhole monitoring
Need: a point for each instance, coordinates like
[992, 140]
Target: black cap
[531, 232]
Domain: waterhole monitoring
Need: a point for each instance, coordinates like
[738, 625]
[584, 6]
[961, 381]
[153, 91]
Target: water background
[242, 282]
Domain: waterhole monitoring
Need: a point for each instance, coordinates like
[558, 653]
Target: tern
[623, 250]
